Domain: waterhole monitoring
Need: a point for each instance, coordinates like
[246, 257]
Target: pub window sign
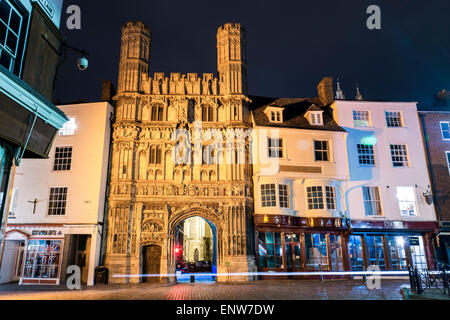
[414, 241]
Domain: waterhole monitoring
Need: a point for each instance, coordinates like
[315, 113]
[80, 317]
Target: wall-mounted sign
[52, 8]
[414, 241]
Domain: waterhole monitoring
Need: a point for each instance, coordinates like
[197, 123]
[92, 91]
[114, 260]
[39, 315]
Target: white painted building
[392, 223]
[56, 213]
[299, 177]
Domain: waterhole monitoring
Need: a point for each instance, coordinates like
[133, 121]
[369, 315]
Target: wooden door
[152, 262]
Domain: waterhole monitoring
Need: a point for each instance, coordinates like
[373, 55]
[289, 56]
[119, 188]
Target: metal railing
[422, 280]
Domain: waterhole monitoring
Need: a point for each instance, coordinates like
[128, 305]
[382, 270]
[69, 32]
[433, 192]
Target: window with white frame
[445, 129]
[366, 154]
[361, 118]
[275, 148]
[10, 25]
[68, 128]
[63, 159]
[268, 195]
[57, 201]
[283, 192]
[394, 119]
[321, 152]
[407, 201]
[372, 201]
[447, 155]
[13, 203]
[319, 200]
[399, 155]
[315, 118]
[315, 198]
[330, 197]
[275, 116]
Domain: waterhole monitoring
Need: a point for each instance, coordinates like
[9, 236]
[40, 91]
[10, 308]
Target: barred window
[393, 119]
[330, 198]
[372, 201]
[315, 198]
[284, 196]
[268, 195]
[321, 150]
[361, 118]
[63, 159]
[399, 155]
[366, 154]
[57, 201]
[275, 148]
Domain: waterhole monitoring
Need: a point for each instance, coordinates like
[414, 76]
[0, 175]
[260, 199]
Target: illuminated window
[445, 129]
[63, 159]
[275, 148]
[375, 251]
[57, 201]
[10, 26]
[399, 155]
[366, 154]
[321, 150]
[270, 250]
[393, 119]
[284, 195]
[361, 118]
[43, 259]
[355, 253]
[268, 195]
[407, 201]
[13, 203]
[316, 252]
[372, 201]
[68, 128]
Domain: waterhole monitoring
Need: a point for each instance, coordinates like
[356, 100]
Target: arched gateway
[151, 191]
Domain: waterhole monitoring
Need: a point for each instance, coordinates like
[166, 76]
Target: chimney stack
[108, 91]
[325, 91]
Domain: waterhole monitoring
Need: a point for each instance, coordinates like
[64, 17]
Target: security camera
[83, 63]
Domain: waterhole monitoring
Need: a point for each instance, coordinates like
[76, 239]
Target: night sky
[291, 45]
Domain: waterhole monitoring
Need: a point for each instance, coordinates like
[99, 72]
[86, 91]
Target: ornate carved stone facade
[152, 190]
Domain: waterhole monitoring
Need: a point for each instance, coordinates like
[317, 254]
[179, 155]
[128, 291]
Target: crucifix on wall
[34, 204]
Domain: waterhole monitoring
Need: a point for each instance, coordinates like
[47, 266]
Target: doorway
[18, 265]
[151, 263]
[195, 250]
[293, 253]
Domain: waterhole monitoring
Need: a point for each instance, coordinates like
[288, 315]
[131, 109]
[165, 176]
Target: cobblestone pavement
[259, 290]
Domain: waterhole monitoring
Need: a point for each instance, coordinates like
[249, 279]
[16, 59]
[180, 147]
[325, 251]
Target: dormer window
[314, 115]
[315, 118]
[275, 114]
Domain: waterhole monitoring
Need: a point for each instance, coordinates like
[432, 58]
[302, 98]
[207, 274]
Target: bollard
[192, 278]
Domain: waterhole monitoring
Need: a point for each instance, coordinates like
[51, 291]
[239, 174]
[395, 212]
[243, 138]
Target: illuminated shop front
[43, 261]
[294, 244]
[395, 248]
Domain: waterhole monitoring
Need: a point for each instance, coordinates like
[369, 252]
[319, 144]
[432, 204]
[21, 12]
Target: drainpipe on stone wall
[108, 179]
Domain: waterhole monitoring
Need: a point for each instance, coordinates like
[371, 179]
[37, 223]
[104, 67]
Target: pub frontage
[301, 244]
[392, 245]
